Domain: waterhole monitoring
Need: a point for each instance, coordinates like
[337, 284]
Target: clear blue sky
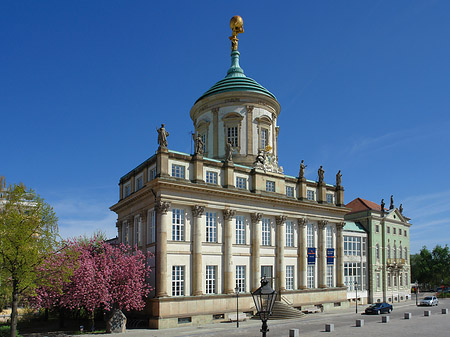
[364, 87]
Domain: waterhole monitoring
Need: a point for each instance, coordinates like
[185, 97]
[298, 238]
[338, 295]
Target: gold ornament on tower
[237, 27]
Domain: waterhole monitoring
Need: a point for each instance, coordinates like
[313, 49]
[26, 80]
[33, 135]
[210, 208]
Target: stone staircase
[285, 311]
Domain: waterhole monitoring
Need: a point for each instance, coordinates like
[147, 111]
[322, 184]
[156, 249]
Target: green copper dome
[236, 81]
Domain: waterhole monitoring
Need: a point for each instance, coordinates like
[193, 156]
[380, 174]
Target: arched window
[400, 251]
[395, 251]
[406, 254]
[389, 251]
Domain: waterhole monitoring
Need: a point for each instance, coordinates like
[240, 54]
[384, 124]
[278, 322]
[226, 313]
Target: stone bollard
[359, 323]
[427, 313]
[385, 319]
[407, 315]
[329, 327]
[444, 311]
[294, 333]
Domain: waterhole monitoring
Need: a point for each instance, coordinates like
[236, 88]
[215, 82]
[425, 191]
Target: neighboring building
[226, 216]
[389, 271]
[356, 262]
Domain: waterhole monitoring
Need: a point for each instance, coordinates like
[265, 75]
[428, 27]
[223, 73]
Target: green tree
[431, 268]
[441, 265]
[28, 234]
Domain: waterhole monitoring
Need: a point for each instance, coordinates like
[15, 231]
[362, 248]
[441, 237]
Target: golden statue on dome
[237, 27]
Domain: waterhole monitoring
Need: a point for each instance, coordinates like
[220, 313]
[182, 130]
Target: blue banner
[311, 252]
[330, 256]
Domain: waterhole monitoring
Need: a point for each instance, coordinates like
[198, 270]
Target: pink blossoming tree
[104, 276]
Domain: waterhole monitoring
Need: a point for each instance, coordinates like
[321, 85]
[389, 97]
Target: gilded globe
[237, 24]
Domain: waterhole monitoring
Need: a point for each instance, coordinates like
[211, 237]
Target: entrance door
[267, 272]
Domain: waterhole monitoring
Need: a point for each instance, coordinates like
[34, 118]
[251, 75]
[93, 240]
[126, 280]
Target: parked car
[379, 308]
[429, 300]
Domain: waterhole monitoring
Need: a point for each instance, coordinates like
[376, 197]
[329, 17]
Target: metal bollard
[408, 315]
[294, 333]
[427, 313]
[444, 311]
[359, 323]
[329, 327]
[385, 319]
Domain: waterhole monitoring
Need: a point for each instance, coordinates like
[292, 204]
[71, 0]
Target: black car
[379, 308]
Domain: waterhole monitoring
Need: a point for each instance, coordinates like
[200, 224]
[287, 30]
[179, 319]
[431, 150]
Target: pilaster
[280, 265]
[256, 253]
[250, 129]
[322, 254]
[162, 208]
[228, 215]
[215, 113]
[162, 162]
[229, 174]
[321, 193]
[340, 196]
[301, 187]
[302, 254]
[197, 160]
[197, 212]
[340, 254]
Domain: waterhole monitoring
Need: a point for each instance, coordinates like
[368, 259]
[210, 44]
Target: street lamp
[356, 288]
[264, 298]
[237, 306]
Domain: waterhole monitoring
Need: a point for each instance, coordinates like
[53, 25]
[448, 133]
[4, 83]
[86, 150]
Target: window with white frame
[330, 198]
[377, 251]
[240, 230]
[241, 182]
[364, 246]
[310, 276]
[406, 254]
[352, 245]
[211, 227]
[330, 280]
[126, 189]
[178, 171]
[388, 250]
[388, 229]
[211, 177]
[365, 279]
[151, 226]
[378, 281]
[310, 195]
[395, 250]
[178, 280]
[401, 279]
[125, 232]
[394, 230]
[203, 138]
[289, 233]
[400, 251]
[329, 237]
[289, 191]
[352, 274]
[137, 230]
[270, 186]
[289, 277]
[310, 235]
[240, 278]
[389, 282]
[177, 224]
[399, 231]
[395, 279]
[151, 173]
[211, 274]
[266, 239]
[233, 136]
[264, 137]
[377, 228]
[139, 181]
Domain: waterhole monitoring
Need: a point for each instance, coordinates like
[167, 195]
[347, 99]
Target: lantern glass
[264, 298]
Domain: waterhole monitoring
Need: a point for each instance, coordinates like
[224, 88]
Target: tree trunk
[61, 318]
[14, 305]
[92, 320]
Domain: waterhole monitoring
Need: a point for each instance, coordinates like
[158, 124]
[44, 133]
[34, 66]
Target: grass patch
[5, 331]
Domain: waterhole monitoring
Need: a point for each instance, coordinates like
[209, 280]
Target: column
[228, 215]
[340, 255]
[280, 266]
[197, 212]
[301, 254]
[249, 123]
[162, 208]
[322, 254]
[143, 230]
[256, 253]
[119, 230]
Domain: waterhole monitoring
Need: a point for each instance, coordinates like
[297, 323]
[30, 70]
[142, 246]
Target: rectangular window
[329, 235]
[264, 138]
[178, 171]
[211, 227]
[267, 272]
[310, 195]
[310, 235]
[270, 186]
[290, 191]
[240, 278]
[203, 137]
[152, 173]
[125, 232]
[289, 277]
[177, 280]
[330, 281]
[137, 230]
[139, 182]
[399, 231]
[310, 277]
[241, 182]
[177, 224]
[378, 281]
[151, 226]
[330, 198]
[394, 230]
[388, 229]
[352, 275]
[211, 272]
[240, 230]
[365, 283]
[126, 190]
[266, 240]
[364, 245]
[289, 233]
[401, 280]
[404, 232]
[389, 280]
[232, 136]
[395, 280]
[377, 228]
[211, 177]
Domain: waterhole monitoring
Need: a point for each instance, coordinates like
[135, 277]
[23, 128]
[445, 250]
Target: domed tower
[240, 111]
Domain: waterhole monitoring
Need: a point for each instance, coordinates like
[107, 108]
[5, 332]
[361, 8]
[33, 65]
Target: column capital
[256, 217]
[228, 214]
[340, 226]
[280, 219]
[162, 207]
[197, 211]
[302, 221]
[322, 223]
[250, 108]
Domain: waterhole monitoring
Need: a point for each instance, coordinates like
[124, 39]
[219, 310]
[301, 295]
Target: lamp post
[264, 298]
[416, 286]
[237, 306]
[356, 288]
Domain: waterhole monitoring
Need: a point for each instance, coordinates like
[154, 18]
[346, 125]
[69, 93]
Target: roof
[359, 205]
[354, 227]
[236, 81]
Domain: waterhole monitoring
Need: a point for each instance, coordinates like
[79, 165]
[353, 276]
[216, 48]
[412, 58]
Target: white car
[429, 300]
